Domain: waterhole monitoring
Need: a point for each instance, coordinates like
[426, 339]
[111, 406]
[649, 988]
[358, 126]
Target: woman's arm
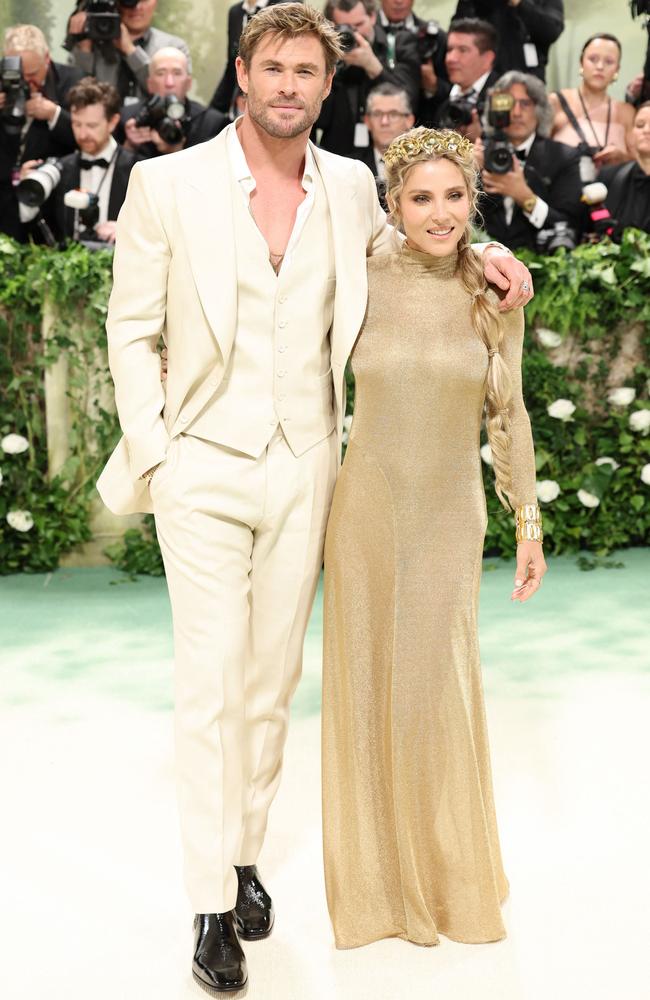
[531, 565]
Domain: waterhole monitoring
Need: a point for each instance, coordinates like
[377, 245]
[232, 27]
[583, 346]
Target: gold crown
[427, 140]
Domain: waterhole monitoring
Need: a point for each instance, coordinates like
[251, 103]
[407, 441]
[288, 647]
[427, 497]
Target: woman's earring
[615, 77]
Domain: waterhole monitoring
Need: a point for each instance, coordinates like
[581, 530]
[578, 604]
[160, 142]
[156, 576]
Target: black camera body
[459, 113]
[497, 158]
[555, 237]
[167, 115]
[347, 39]
[428, 41]
[102, 20]
[17, 92]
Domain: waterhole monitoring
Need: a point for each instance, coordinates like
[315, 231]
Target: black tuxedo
[552, 172]
[439, 108]
[367, 155]
[39, 143]
[223, 96]
[538, 21]
[204, 124]
[417, 26]
[59, 217]
[346, 104]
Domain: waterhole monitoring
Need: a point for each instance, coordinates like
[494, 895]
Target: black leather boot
[254, 907]
[219, 964]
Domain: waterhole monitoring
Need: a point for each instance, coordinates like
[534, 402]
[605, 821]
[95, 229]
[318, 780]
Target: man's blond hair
[290, 20]
[26, 38]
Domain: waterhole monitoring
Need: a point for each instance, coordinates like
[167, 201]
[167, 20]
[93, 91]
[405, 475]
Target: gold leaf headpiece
[427, 140]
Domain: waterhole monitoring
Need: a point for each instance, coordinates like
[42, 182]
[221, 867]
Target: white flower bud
[20, 520]
[640, 421]
[486, 454]
[588, 499]
[547, 490]
[622, 396]
[561, 409]
[14, 444]
[549, 338]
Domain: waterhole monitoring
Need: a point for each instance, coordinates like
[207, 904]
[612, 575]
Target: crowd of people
[557, 167]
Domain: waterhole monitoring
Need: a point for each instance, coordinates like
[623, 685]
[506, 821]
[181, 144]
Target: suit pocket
[166, 467]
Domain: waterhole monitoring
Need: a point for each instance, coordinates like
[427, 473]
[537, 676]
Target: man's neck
[263, 151]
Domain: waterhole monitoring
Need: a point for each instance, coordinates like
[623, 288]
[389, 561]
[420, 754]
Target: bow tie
[89, 164]
[521, 154]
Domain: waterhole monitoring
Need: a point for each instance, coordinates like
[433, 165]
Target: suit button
[281, 373]
[282, 324]
[282, 349]
[282, 299]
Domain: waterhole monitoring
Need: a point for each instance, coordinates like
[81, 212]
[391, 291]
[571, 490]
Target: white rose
[587, 499]
[486, 454]
[561, 409]
[622, 396]
[14, 444]
[606, 460]
[549, 338]
[645, 474]
[640, 421]
[547, 490]
[20, 520]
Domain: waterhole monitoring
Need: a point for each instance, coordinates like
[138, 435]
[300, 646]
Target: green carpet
[89, 634]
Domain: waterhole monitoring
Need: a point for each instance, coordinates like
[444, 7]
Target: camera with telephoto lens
[347, 39]
[37, 186]
[16, 90]
[560, 234]
[428, 40]
[167, 115]
[497, 158]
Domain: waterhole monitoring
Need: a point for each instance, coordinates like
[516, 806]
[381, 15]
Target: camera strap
[572, 118]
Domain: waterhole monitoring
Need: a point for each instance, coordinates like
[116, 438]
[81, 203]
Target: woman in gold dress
[410, 836]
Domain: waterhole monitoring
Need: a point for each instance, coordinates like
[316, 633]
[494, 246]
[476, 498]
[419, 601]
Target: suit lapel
[205, 213]
[349, 235]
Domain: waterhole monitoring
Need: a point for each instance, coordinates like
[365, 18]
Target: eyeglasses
[393, 116]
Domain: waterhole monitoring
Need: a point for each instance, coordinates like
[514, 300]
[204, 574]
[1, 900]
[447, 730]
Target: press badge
[361, 136]
[530, 54]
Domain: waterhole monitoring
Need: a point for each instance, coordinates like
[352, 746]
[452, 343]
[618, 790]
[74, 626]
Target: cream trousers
[242, 542]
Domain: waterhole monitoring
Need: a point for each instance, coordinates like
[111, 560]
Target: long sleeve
[522, 451]
[136, 319]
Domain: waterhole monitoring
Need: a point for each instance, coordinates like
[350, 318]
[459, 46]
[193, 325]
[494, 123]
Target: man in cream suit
[247, 253]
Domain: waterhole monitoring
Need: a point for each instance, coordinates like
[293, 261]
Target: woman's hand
[531, 567]
[610, 155]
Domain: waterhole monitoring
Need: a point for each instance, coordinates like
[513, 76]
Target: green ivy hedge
[592, 306]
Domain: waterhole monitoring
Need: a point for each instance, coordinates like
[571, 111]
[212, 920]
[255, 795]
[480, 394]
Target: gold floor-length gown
[410, 837]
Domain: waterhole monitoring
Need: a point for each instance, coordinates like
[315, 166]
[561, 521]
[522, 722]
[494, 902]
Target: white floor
[93, 905]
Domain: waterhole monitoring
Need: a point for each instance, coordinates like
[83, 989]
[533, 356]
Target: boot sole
[232, 992]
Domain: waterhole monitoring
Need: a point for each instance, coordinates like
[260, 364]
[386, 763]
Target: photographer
[587, 117]
[397, 15]
[637, 91]
[122, 60]
[471, 51]
[628, 185]
[536, 199]
[371, 57]
[388, 114]
[526, 29]
[225, 96]
[33, 121]
[154, 128]
[98, 166]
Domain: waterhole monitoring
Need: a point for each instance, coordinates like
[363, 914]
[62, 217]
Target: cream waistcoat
[279, 370]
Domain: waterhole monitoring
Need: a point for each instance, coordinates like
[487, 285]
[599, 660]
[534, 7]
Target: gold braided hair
[420, 145]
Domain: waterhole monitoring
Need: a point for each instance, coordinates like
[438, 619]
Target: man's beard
[262, 115]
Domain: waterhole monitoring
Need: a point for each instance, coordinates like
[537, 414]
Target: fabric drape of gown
[411, 847]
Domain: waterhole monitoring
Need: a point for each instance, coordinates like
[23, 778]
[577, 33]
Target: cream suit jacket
[175, 275]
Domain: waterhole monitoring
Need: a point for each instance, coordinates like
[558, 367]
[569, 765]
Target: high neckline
[443, 266]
